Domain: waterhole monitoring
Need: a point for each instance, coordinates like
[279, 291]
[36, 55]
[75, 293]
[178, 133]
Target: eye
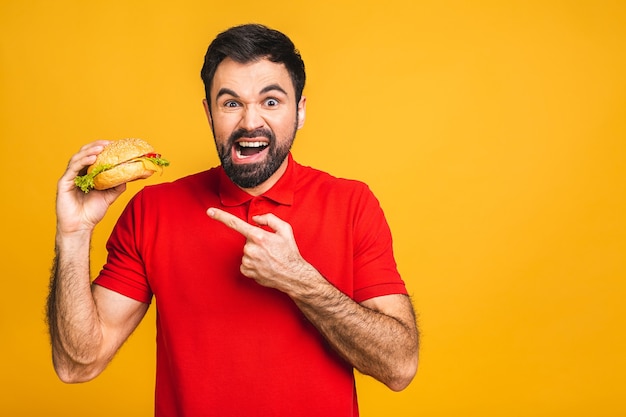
[231, 104]
[271, 102]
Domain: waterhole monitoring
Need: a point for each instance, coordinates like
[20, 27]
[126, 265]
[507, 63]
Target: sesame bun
[118, 153]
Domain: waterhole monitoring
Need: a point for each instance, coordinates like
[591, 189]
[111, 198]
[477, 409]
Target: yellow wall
[493, 132]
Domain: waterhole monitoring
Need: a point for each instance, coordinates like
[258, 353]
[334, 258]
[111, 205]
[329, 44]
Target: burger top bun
[120, 151]
[115, 154]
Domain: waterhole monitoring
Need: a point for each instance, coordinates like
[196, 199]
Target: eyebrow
[273, 87]
[224, 91]
[266, 89]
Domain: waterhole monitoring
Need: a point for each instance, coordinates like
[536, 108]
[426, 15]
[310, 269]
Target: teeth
[251, 144]
[248, 145]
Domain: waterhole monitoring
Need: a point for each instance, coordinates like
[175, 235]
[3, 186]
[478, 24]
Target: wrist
[73, 240]
[310, 284]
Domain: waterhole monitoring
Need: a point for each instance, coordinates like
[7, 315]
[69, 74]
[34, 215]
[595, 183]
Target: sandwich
[120, 162]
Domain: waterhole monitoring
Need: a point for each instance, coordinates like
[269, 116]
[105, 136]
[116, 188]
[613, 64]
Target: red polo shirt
[227, 346]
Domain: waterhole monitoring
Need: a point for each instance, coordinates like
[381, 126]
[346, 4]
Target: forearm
[75, 332]
[375, 343]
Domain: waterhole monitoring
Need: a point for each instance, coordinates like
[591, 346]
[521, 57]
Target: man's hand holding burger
[95, 178]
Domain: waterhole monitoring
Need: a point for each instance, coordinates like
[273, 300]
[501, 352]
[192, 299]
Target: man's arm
[378, 337]
[86, 325]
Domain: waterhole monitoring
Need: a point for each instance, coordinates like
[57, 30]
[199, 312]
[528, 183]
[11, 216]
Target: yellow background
[493, 133]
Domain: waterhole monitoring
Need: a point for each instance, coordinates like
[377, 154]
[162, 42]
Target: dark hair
[253, 42]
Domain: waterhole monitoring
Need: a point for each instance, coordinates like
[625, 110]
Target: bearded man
[272, 281]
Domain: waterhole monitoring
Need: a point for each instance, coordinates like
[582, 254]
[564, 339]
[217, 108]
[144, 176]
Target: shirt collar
[281, 193]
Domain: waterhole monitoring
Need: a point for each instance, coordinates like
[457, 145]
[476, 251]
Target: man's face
[254, 117]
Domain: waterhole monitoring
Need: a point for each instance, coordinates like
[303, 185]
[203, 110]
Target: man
[272, 280]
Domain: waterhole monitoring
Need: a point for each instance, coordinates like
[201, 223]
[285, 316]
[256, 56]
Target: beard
[254, 174]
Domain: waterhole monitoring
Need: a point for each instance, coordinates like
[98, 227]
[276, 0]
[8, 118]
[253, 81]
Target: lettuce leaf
[85, 182]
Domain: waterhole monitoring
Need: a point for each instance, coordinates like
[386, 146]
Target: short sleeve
[375, 270]
[124, 271]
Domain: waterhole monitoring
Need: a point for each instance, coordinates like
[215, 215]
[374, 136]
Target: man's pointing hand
[270, 258]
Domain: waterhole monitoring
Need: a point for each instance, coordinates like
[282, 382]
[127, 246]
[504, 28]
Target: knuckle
[257, 235]
[260, 237]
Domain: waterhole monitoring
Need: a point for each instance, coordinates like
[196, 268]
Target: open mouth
[246, 149]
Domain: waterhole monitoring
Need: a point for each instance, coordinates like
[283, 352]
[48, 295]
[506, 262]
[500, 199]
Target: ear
[207, 111]
[301, 111]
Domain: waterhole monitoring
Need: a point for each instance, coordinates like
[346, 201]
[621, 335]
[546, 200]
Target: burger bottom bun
[121, 174]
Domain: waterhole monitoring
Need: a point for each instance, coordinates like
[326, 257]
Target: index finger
[86, 156]
[231, 221]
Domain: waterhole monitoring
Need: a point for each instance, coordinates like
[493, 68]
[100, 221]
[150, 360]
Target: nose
[251, 119]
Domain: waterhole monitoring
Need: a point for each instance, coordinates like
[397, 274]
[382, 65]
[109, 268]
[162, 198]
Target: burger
[120, 162]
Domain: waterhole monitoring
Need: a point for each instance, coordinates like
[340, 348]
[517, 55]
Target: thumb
[273, 223]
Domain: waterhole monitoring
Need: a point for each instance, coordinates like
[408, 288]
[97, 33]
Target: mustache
[243, 133]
